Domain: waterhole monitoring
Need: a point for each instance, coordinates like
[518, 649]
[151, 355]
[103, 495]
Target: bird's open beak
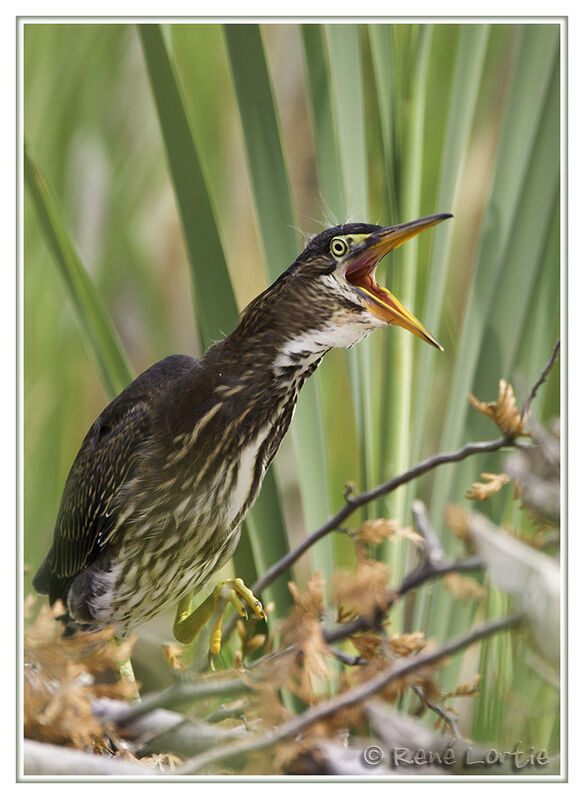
[360, 272]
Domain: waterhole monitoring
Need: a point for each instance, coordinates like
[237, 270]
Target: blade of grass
[413, 157]
[471, 50]
[271, 190]
[493, 89]
[327, 157]
[382, 53]
[334, 372]
[214, 299]
[526, 104]
[263, 145]
[505, 323]
[101, 339]
[346, 91]
[346, 88]
[526, 248]
[527, 244]
[518, 287]
[544, 317]
[398, 439]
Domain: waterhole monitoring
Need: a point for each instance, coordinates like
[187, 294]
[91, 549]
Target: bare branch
[224, 712]
[445, 715]
[164, 730]
[183, 692]
[354, 501]
[541, 380]
[358, 500]
[348, 660]
[434, 550]
[347, 699]
[42, 758]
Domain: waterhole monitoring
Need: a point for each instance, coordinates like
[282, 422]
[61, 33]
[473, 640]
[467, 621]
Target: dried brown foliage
[367, 644]
[423, 678]
[176, 656]
[470, 690]
[250, 642]
[363, 590]
[457, 520]
[63, 676]
[309, 670]
[404, 644]
[163, 762]
[493, 483]
[373, 532]
[464, 588]
[539, 525]
[311, 601]
[381, 653]
[503, 411]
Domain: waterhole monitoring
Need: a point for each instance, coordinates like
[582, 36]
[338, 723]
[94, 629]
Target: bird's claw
[240, 596]
[236, 592]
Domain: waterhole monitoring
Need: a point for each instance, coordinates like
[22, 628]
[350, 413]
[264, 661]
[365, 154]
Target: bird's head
[329, 296]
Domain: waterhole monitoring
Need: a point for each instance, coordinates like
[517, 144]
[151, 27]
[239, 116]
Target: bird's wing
[102, 466]
[88, 515]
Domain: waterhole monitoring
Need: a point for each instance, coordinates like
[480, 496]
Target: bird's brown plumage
[156, 496]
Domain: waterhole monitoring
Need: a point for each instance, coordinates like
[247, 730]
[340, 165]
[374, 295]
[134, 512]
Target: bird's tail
[44, 583]
[42, 579]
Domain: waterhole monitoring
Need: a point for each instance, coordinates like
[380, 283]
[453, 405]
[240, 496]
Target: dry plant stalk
[504, 411]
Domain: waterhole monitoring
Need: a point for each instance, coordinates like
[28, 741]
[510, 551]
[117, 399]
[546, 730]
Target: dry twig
[540, 380]
[446, 715]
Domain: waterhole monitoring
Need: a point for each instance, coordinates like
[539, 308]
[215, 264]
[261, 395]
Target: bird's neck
[275, 359]
[256, 380]
[258, 377]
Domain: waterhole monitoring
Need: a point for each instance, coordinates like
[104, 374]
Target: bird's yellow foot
[188, 623]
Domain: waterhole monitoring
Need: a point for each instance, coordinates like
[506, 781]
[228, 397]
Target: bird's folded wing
[88, 514]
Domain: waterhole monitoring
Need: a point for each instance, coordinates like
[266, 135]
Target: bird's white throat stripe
[310, 346]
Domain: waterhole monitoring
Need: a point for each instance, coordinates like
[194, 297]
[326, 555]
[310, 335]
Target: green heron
[155, 499]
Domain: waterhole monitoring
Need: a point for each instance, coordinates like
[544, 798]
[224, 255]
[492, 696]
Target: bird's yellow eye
[339, 247]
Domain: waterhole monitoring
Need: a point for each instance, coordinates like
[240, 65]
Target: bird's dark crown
[319, 246]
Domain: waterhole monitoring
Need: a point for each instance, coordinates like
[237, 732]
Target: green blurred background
[190, 162]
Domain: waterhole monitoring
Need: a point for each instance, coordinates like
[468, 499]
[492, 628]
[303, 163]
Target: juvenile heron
[155, 499]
